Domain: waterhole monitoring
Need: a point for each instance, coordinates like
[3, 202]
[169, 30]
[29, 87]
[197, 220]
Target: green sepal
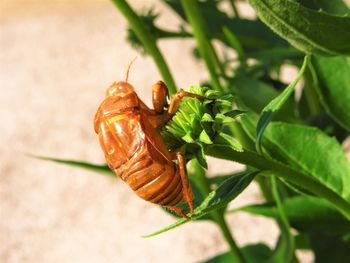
[188, 137]
[204, 137]
[207, 118]
[200, 156]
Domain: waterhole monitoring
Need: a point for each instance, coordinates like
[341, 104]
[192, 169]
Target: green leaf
[255, 95]
[198, 199]
[216, 180]
[295, 176]
[306, 214]
[256, 253]
[330, 248]
[276, 104]
[302, 242]
[306, 29]
[216, 199]
[103, 169]
[334, 87]
[311, 151]
[335, 7]
[228, 190]
[224, 139]
[178, 223]
[276, 53]
[234, 113]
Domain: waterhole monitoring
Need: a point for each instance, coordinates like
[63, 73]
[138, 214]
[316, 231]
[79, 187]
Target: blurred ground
[57, 58]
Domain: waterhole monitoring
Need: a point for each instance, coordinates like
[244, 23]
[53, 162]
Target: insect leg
[175, 101]
[187, 190]
[157, 116]
[157, 120]
[159, 96]
[178, 211]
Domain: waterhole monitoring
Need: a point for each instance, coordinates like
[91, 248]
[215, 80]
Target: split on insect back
[131, 136]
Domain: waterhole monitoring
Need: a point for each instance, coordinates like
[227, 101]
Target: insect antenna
[128, 69]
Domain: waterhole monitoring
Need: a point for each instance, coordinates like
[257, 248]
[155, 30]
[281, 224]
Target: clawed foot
[179, 211]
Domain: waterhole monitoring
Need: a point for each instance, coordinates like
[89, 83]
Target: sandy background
[57, 58]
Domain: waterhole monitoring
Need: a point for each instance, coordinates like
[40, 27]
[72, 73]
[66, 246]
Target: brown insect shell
[133, 149]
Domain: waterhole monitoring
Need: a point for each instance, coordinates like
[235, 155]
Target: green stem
[241, 136]
[148, 41]
[283, 222]
[265, 187]
[235, 44]
[279, 204]
[202, 183]
[234, 8]
[207, 51]
[282, 171]
[220, 220]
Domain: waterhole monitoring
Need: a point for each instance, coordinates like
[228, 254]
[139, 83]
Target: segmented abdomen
[155, 180]
[137, 161]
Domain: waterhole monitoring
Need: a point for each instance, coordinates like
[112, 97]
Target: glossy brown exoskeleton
[135, 151]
